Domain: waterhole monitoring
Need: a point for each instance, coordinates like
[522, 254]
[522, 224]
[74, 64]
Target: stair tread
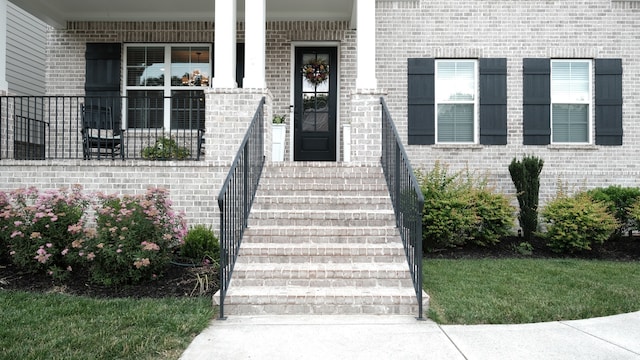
[355, 291]
[332, 211]
[328, 195]
[388, 245]
[334, 267]
[334, 227]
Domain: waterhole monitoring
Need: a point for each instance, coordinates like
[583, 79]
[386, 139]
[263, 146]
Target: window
[569, 119]
[570, 101]
[456, 100]
[163, 85]
[486, 103]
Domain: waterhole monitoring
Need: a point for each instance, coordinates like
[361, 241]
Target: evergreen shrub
[525, 175]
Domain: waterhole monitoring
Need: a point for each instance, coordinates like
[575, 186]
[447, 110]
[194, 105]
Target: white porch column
[4, 86]
[366, 42]
[224, 75]
[255, 39]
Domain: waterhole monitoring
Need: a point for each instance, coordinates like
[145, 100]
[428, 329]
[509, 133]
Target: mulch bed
[180, 281]
[623, 249]
[176, 281]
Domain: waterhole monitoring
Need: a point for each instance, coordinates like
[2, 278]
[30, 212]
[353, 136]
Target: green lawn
[529, 290]
[55, 326]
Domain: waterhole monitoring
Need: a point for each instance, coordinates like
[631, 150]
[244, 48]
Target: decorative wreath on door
[316, 71]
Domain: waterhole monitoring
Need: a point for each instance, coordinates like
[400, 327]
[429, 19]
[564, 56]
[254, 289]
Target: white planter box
[278, 134]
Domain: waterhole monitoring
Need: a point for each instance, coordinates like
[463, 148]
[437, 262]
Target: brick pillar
[228, 115]
[366, 135]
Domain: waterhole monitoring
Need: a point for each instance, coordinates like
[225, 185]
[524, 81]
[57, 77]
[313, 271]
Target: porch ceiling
[57, 12]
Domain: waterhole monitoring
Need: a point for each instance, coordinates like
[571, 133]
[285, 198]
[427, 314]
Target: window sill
[458, 146]
[561, 147]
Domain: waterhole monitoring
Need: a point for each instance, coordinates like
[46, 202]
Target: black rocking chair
[101, 135]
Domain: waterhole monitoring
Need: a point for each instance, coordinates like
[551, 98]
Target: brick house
[514, 40]
[470, 83]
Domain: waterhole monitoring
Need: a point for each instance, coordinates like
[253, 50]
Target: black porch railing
[407, 198]
[236, 197]
[79, 127]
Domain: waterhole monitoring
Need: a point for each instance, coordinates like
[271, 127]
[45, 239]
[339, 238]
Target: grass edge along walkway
[58, 326]
[509, 291]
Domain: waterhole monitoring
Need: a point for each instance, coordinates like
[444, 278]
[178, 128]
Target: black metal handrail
[85, 127]
[236, 197]
[407, 198]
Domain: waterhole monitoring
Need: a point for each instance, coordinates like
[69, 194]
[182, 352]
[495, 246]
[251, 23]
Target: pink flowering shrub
[38, 228]
[134, 237]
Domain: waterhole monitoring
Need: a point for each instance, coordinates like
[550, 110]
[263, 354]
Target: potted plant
[279, 131]
[165, 149]
[279, 119]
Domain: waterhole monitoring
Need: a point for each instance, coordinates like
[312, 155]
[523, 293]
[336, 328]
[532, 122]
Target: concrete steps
[321, 240]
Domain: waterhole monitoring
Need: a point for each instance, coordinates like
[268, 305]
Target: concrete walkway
[402, 337]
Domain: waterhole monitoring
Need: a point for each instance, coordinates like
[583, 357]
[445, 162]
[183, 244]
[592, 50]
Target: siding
[26, 42]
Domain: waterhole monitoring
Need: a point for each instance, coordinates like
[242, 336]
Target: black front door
[315, 104]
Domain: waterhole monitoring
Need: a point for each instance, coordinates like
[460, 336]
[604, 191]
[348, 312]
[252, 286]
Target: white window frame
[475, 101]
[167, 88]
[587, 101]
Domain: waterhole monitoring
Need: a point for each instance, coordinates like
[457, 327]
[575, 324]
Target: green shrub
[40, 227]
[200, 244]
[619, 200]
[524, 248]
[576, 223]
[494, 214]
[134, 238]
[459, 209]
[525, 175]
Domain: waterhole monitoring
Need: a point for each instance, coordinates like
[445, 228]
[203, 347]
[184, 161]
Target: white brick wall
[517, 30]
[193, 185]
[229, 114]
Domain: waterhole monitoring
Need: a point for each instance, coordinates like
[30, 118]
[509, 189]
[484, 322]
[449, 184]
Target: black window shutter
[102, 69]
[239, 64]
[421, 102]
[608, 107]
[536, 101]
[102, 76]
[493, 101]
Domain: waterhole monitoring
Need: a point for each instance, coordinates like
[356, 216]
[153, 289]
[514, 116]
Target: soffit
[57, 12]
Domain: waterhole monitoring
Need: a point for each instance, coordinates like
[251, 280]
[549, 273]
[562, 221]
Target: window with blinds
[570, 101]
[456, 88]
[164, 85]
